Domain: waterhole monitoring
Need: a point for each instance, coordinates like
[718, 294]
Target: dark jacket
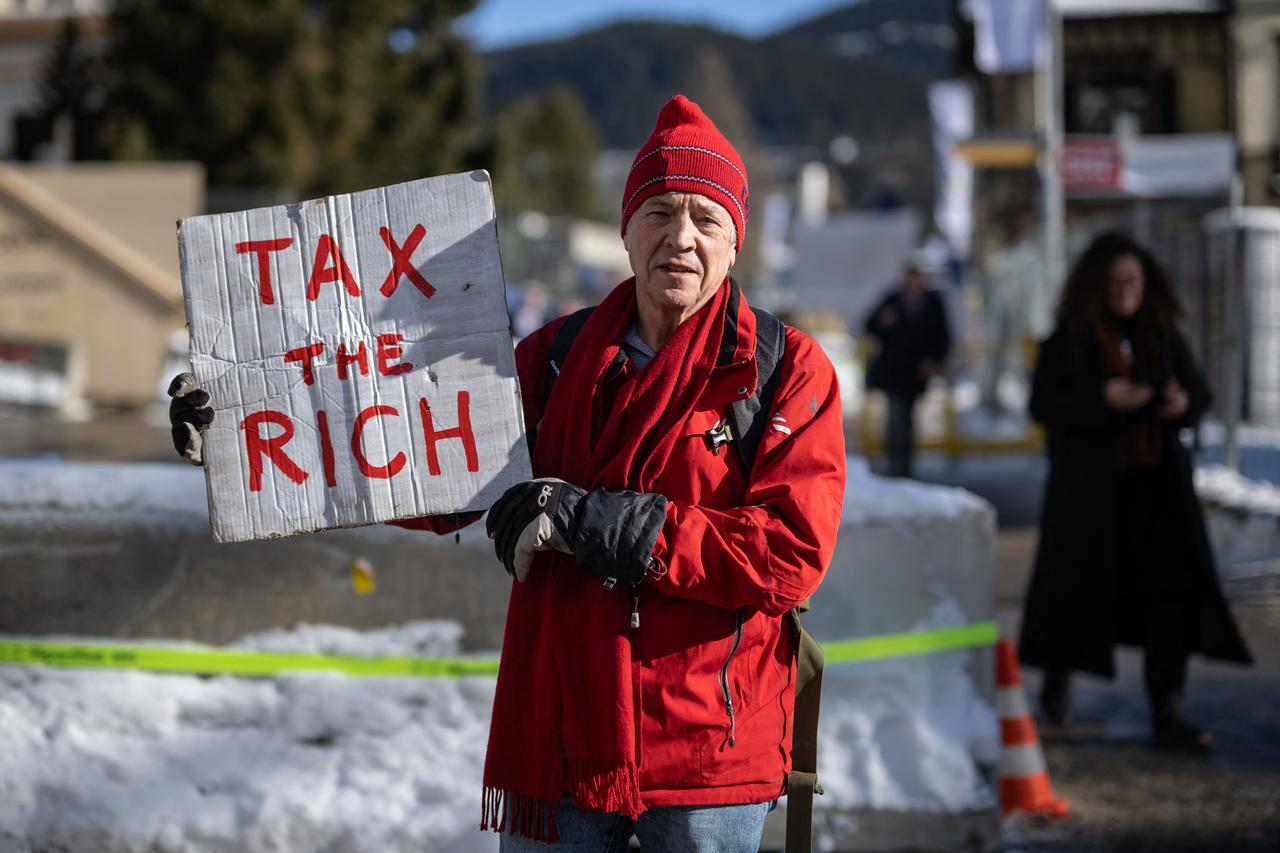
[1086, 595]
[907, 342]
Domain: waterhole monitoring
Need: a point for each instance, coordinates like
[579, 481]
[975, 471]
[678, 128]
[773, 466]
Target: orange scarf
[1141, 443]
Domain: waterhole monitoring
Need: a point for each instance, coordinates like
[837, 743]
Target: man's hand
[537, 515]
[189, 416]
[610, 532]
[1174, 404]
[1125, 396]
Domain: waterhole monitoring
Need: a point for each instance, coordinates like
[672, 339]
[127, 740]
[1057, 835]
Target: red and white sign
[358, 353]
[1091, 164]
[1182, 165]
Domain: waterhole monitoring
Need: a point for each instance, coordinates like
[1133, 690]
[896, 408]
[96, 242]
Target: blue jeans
[669, 829]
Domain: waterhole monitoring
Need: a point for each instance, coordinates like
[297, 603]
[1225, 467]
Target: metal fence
[1242, 312]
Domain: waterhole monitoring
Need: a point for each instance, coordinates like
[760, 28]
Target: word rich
[330, 266]
[262, 447]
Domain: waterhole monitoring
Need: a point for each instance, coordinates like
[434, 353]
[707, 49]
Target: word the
[388, 349]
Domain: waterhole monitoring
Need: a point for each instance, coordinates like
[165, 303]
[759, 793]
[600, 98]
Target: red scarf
[564, 715]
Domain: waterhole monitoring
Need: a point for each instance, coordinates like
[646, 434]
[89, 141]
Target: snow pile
[1215, 433]
[908, 734]
[872, 499]
[417, 639]
[127, 762]
[1224, 486]
[30, 490]
[118, 762]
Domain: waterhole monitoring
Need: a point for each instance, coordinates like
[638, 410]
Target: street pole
[1233, 350]
[1048, 99]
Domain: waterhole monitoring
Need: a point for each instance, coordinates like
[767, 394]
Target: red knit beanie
[687, 153]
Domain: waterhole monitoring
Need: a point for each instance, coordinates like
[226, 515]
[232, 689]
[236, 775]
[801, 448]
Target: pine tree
[71, 89]
[304, 96]
[544, 150]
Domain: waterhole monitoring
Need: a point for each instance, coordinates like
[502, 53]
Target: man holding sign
[648, 671]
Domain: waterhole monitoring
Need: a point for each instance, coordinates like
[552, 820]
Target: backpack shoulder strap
[751, 416]
[563, 342]
[802, 781]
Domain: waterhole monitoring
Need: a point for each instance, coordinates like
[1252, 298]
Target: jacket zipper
[724, 677]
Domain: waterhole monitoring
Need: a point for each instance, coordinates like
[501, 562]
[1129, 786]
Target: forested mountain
[860, 70]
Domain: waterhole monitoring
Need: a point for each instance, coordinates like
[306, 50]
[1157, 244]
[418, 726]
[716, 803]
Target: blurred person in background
[532, 311]
[912, 341]
[1123, 556]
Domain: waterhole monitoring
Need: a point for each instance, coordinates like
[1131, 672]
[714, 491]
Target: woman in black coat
[1123, 554]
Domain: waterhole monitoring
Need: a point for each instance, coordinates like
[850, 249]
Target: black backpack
[748, 420]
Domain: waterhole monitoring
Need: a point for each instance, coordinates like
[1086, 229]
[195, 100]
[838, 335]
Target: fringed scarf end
[605, 786]
[516, 814]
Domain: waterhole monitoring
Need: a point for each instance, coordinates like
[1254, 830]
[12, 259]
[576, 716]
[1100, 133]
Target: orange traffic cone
[1024, 779]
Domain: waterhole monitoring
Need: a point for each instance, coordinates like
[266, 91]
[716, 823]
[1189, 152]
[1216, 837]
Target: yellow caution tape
[881, 646]
[215, 661]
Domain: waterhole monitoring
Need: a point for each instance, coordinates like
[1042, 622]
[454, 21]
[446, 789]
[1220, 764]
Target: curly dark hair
[1084, 296]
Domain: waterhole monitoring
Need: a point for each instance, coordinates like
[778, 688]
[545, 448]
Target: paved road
[1126, 796]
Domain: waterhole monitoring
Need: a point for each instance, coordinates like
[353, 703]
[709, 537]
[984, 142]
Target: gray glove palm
[537, 515]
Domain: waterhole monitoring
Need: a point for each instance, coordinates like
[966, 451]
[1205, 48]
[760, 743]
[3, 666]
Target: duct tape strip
[216, 661]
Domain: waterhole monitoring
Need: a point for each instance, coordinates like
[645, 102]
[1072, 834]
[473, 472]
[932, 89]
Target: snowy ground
[127, 762]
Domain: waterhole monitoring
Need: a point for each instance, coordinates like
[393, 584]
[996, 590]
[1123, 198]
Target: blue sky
[499, 23]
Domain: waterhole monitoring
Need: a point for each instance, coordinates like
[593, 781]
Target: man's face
[681, 247]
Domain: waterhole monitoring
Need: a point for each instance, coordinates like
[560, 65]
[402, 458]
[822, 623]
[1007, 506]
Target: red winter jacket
[713, 651]
[714, 654]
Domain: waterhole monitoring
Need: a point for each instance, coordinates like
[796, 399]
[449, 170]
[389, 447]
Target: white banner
[358, 353]
[1149, 166]
[1010, 36]
[1184, 165]
[951, 102]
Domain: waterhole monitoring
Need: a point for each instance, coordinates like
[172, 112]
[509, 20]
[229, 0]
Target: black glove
[189, 416]
[610, 532]
[536, 515]
[617, 530]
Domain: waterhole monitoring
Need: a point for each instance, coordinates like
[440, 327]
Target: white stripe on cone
[1021, 762]
[1012, 702]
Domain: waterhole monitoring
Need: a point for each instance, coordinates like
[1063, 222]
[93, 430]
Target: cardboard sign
[358, 356]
